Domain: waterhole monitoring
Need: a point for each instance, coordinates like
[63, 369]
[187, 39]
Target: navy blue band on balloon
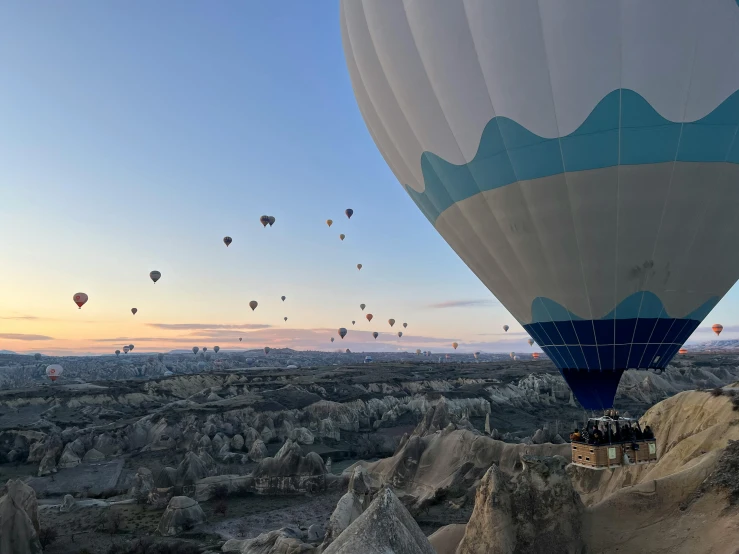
[592, 354]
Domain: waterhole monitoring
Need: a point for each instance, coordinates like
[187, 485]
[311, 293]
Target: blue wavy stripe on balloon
[509, 152]
[638, 305]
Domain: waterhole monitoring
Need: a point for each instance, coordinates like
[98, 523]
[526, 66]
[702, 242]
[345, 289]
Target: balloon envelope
[54, 371]
[264, 220]
[682, 351]
[329, 222]
[342, 332]
[216, 349]
[391, 322]
[126, 349]
[363, 306]
[717, 328]
[271, 220]
[369, 317]
[454, 345]
[359, 267]
[526, 133]
[80, 299]
[505, 328]
[253, 305]
[349, 213]
[227, 241]
[155, 275]
[117, 352]
[375, 334]
[283, 298]
[134, 310]
[130, 346]
[400, 334]
[195, 349]
[267, 349]
[332, 339]
[285, 318]
[240, 339]
[531, 342]
[405, 325]
[342, 236]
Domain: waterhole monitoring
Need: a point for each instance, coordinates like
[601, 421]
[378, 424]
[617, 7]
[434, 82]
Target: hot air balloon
[253, 305]
[418, 352]
[405, 325]
[54, 371]
[512, 354]
[216, 349]
[329, 222]
[195, 349]
[505, 328]
[454, 345]
[391, 322]
[362, 306]
[717, 328]
[369, 317]
[527, 134]
[682, 351]
[205, 348]
[80, 299]
[134, 310]
[359, 267]
[535, 355]
[126, 349]
[342, 236]
[285, 318]
[342, 332]
[400, 334]
[155, 275]
[240, 339]
[117, 352]
[267, 349]
[332, 339]
[130, 346]
[349, 213]
[375, 334]
[353, 322]
[476, 355]
[283, 298]
[264, 220]
[227, 241]
[531, 342]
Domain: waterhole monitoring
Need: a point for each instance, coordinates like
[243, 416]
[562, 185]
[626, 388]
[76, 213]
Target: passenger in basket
[648, 434]
[576, 436]
[638, 435]
[597, 436]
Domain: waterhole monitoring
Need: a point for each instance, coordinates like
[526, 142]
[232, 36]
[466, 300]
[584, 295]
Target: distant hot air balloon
[283, 298]
[342, 236]
[195, 349]
[353, 322]
[205, 348]
[375, 334]
[531, 342]
[526, 132]
[400, 334]
[391, 322]
[130, 346]
[134, 310]
[512, 354]
[405, 325]
[117, 352]
[349, 213]
[271, 220]
[240, 339]
[216, 349]
[80, 299]
[505, 328]
[454, 345]
[264, 220]
[535, 355]
[126, 349]
[369, 317]
[418, 352]
[285, 318]
[359, 267]
[329, 222]
[332, 339]
[227, 241]
[267, 349]
[342, 332]
[717, 328]
[155, 275]
[682, 351]
[476, 355]
[363, 306]
[253, 305]
[348, 351]
[54, 371]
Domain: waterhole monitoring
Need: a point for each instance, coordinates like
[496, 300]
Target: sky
[135, 136]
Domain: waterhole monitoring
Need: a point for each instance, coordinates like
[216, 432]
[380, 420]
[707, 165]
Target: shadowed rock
[18, 532]
[182, 514]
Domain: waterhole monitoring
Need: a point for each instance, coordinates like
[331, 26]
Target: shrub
[718, 391]
[221, 507]
[46, 536]
[147, 545]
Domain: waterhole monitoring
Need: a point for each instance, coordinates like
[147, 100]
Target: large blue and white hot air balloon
[580, 156]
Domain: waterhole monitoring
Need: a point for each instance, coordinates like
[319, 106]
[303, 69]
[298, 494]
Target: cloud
[207, 326]
[464, 304]
[17, 317]
[20, 336]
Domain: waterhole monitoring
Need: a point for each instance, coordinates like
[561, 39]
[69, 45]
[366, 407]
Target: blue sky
[134, 136]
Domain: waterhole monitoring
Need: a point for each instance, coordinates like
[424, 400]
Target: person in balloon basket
[575, 436]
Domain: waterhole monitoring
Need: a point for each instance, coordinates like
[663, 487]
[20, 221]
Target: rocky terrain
[272, 460]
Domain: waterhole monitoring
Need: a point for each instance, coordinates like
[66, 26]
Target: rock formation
[142, 486]
[287, 540]
[68, 504]
[18, 519]
[289, 472]
[350, 506]
[182, 514]
[446, 539]
[535, 511]
[385, 526]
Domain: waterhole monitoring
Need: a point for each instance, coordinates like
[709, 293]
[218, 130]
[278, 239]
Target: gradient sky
[135, 135]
